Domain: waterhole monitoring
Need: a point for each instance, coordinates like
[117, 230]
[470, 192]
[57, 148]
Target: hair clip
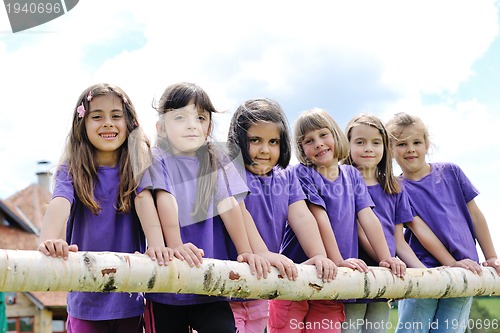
[89, 96]
[124, 99]
[81, 111]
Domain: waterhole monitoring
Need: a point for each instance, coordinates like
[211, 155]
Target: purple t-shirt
[268, 203]
[391, 209]
[106, 231]
[178, 175]
[440, 199]
[342, 199]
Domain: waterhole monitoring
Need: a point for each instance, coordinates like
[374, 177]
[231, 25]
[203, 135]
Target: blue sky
[435, 59]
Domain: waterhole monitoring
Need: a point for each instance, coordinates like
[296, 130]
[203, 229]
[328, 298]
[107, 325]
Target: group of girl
[188, 197]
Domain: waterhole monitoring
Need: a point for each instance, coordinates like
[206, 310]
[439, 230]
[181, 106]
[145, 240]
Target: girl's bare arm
[330, 241]
[150, 222]
[483, 236]
[403, 250]
[285, 266]
[169, 219]
[373, 230]
[433, 244]
[52, 237]
[306, 229]
[232, 217]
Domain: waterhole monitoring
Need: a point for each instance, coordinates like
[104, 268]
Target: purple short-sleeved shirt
[107, 231]
[178, 175]
[268, 203]
[391, 209]
[342, 199]
[440, 199]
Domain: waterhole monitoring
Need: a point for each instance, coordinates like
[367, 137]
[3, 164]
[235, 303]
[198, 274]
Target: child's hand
[258, 265]
[397, 266]
[190, 253]
[285, 266]
[57, 248]
[354, 263]
[469, 264]
[325, 268]
[493, 262]
[161, 253]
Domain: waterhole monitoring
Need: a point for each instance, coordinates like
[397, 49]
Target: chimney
[44, 175]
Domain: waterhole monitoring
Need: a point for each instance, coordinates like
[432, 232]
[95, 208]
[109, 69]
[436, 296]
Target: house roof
[30, 204]
[24, 211]
[14, 219]
[47, 299]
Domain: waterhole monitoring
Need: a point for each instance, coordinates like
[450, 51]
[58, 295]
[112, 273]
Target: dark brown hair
[250, 113]
[174, 97]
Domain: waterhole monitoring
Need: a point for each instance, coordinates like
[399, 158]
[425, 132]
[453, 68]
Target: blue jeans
[442, 315]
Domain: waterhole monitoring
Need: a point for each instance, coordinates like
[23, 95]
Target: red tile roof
[49, 298]
[29, 206]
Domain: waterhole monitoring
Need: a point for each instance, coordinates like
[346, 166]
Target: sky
[438, 60]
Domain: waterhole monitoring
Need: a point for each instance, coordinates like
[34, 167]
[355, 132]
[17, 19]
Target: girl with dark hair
[259, 130]
[189, 168]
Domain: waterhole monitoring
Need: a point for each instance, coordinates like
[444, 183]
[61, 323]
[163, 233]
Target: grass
[492, 303]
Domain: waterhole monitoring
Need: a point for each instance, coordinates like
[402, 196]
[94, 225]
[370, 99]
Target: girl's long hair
[81, 158]
[177, 96]
[385, 176]
[250, 113]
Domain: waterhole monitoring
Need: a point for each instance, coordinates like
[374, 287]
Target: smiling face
[263, 147]
[186, 129]
[319, 148]
[367, 148]
[409, 151]
[106, 127]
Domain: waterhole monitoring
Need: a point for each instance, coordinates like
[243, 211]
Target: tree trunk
[113, 272]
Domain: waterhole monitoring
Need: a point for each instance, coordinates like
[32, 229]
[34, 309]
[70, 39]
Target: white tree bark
[114, 272]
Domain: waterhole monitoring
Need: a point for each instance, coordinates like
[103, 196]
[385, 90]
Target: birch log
[122, 272]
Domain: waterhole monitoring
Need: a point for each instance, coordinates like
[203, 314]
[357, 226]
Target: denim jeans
[442, 315]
